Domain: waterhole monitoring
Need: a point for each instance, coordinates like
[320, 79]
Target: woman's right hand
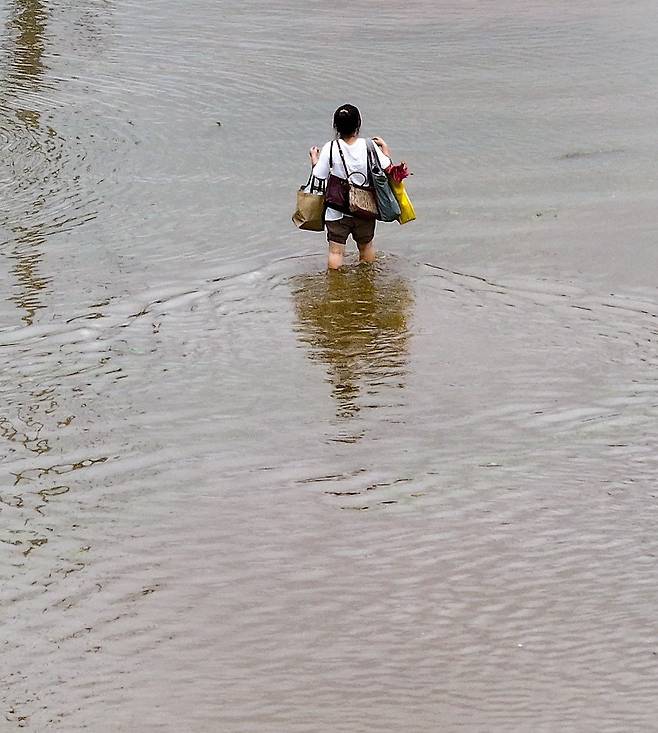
[314, 153]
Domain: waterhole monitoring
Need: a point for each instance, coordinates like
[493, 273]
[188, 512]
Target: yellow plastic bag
[407, 212]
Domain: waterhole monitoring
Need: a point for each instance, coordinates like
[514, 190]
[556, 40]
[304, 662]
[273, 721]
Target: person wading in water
[352, 154]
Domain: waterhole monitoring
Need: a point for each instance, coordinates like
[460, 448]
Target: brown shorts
[362, 230]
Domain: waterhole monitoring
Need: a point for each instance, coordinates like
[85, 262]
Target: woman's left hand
[314, 153]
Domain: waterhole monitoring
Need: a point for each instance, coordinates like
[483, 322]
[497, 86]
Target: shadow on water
[356, 323]
[25, 73]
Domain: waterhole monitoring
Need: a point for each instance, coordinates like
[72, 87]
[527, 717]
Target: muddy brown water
[238, 494]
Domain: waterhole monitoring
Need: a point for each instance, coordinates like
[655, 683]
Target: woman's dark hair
[347, 120]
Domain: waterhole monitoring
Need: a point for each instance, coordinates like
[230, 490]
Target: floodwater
[239, 494]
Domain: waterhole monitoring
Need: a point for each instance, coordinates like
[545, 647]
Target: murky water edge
[241, 494]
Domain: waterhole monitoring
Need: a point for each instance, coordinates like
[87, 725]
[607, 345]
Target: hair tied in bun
[347, 120]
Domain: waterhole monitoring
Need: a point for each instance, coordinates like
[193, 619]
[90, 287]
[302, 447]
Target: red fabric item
[398, 172]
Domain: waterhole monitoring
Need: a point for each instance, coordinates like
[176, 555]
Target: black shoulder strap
[342, 157]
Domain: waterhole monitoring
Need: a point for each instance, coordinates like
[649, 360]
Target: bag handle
[373, 158]
[347, 172]
[358, 173]
[342, 157]
[316, 184]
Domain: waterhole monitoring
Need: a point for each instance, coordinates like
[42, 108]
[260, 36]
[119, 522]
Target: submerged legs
[336, 253]
[367, 252]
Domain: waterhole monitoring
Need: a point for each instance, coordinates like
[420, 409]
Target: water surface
[240, 494]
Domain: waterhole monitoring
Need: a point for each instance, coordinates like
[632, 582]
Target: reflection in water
[25, 73]
[29, 283]
[357, 323]
[29, 23]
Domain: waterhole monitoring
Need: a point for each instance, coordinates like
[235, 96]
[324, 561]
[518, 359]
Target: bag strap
[353, 173]
[316, 184]
[342, 157]
[372, 161]
[373, 158]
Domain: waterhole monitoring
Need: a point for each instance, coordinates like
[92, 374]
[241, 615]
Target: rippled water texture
[240, 494]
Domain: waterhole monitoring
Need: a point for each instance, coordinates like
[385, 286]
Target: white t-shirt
[356, 160]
